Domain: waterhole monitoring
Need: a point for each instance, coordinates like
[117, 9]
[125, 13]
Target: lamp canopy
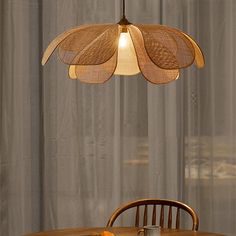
[94, 53]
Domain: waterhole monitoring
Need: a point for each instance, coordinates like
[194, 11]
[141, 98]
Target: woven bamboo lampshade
[94, 53]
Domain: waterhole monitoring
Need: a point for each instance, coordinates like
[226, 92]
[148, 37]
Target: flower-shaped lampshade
[94, 53]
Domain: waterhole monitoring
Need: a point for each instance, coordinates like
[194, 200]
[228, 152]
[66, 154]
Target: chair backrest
[163, 203]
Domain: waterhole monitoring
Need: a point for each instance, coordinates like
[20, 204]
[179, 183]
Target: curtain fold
[70, 153]
[20, 117]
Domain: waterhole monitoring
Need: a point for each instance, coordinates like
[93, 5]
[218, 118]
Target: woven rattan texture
[167, 47]
[92, 51]
[96, 73]
[90, 46]
[199, 58]
[55, 42]
[149, 70]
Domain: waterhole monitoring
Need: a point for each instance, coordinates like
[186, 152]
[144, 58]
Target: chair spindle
[145, 215]
[177, 218]
[162, 216]
[154, 215]
[170, 217]
[137, 217]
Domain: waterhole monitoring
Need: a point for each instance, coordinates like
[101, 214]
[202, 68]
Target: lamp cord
[123, 8]
[123, 20]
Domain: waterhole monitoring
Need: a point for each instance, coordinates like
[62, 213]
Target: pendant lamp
[94, 53]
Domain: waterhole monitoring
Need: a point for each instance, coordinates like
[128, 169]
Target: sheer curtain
[71, 152]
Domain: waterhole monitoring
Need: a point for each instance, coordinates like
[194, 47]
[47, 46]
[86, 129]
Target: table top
[118, 231]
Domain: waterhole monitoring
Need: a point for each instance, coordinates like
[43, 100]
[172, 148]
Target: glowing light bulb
[123, 40]
[127, 63]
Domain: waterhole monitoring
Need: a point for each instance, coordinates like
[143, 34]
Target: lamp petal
[150, 71]
[94, 74]
[72, 72]
[167, 47]
[93, 45]
[55, 42]
[199, 57]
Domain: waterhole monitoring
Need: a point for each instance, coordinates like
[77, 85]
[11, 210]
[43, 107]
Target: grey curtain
[71, 152]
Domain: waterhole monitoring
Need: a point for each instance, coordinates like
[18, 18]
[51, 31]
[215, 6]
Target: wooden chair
[163, 203]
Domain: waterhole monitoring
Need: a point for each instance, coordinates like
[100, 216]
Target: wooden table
[118, 231]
